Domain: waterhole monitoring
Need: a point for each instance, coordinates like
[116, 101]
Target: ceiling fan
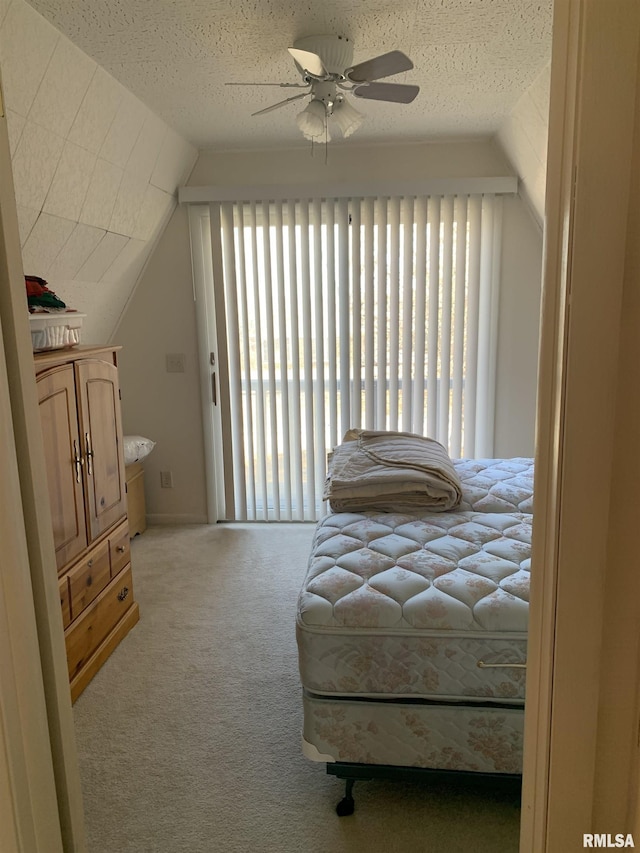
[325, 64]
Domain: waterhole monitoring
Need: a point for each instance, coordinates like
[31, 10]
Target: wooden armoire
[79, 397]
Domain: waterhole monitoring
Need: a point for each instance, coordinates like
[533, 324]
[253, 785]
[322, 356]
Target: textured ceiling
[473, 59]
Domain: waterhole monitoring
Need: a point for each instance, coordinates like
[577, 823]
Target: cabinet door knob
[121, 549]
[124, 592]
[90, 562]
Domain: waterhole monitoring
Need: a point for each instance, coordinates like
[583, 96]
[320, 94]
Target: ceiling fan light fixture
[347, 117]
[325, 63]
[312, 121]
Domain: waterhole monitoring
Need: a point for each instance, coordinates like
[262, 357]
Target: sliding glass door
[379, 313]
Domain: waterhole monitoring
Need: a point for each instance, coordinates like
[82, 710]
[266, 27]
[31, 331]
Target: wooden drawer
[85, 635]
[65, 600]
[88, 578]
[119, 549]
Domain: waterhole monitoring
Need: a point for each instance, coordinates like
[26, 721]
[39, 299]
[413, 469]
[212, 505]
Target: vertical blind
[379, 313]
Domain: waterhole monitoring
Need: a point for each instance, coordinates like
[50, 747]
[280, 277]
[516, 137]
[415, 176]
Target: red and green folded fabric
[40, 297]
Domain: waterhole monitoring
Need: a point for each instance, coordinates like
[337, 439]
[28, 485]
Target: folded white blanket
[391, 472]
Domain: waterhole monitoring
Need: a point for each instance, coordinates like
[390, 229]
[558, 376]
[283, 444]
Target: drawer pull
[121, 549]
[482, 665]
[90, 562]
[124, 592]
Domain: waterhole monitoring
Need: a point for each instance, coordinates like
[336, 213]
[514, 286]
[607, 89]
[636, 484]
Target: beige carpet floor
[189, 736]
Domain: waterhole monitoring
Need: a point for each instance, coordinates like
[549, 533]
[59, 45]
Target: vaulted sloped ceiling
[95, 170]
[523, 138]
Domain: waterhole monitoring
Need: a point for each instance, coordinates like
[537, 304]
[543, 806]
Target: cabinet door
[101, 435]
[63, 458]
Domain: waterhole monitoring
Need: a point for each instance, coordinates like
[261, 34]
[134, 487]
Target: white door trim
[37, 721]
[593, 83]
[29, 817]
[551, 368]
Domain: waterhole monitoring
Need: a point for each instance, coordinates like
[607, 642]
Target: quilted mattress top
[496, 485]
[465, 571]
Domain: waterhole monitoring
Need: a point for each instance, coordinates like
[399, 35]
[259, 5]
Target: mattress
[416, 606]
[430, 606]
[496, 485]
[412, 629]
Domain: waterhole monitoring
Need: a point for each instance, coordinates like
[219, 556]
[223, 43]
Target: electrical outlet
[166, 480]
[175, 362]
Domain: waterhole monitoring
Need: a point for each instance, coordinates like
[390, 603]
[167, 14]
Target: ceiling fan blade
[397, 93]
[309, 62]
[281, 85]
[280, 104]
[380, 66]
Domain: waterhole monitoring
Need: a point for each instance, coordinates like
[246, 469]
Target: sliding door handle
[214, 390]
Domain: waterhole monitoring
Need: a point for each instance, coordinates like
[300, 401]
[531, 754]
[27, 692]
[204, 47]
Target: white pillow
[136, 447]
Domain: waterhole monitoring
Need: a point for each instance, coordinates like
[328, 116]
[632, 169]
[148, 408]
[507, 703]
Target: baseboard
[186, 518]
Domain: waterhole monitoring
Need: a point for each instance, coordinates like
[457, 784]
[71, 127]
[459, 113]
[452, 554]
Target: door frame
[594, 78]
[39, 760]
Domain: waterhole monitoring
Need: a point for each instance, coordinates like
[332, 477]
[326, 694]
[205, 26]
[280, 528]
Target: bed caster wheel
[345, 807]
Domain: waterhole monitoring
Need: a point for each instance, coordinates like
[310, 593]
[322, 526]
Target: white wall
[95, 171]
[350, 162]
[164, 406]
[519, 324]
[160, 318]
